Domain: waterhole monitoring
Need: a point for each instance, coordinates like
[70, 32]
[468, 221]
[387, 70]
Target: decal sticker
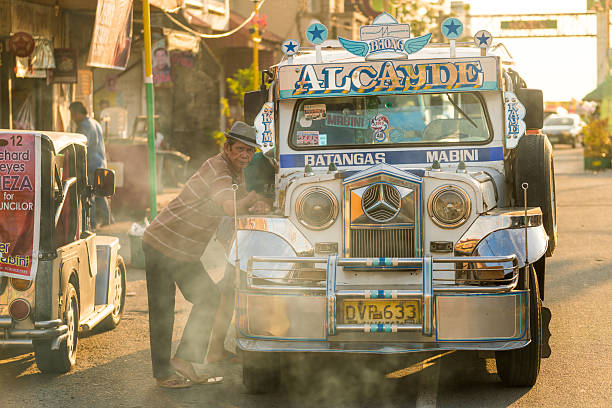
[315, 112]
[515, 126]
[346, 121]
[264, 125]
[305, 123]
[308, 138]
[379, 124]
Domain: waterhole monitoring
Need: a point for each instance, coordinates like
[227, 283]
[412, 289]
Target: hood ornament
[385, 38]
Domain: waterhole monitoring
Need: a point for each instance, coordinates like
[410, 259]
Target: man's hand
[260, 207]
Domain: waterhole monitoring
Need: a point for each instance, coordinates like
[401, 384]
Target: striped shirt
[183, 229]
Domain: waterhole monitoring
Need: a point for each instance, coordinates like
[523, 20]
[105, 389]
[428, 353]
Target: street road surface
[113, 368]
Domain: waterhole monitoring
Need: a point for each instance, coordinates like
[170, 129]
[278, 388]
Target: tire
[574, 142]
[116, 296]
[520, 367]
[260, 371]
[534, 165]
[63, 359]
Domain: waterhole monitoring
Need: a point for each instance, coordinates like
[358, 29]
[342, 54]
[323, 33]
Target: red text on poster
[18, 205]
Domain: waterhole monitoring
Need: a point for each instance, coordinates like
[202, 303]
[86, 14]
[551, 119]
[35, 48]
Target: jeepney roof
[333, 52]
[59, 140]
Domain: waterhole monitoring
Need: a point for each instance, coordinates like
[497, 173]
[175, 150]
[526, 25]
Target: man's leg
[161, 292]
[199, 289]
[223, 318]
[92, 214]
[103, 210]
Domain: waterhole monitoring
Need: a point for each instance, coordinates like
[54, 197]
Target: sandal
[209, 380]
[229, 358]
[174, 381]
[189, 373]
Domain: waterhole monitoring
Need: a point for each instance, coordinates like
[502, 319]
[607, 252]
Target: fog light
[19, 309]
[21, 284]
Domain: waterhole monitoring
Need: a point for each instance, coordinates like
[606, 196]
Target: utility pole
[256, 38]
[148, 80]
[603, 39]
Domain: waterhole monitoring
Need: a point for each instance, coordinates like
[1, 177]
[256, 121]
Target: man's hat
[244, 133]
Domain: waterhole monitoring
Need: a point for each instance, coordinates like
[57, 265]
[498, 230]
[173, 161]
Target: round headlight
[449, 206]
[316, 208]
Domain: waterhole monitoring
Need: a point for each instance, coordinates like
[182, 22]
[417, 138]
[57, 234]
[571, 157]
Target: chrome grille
[382, 243]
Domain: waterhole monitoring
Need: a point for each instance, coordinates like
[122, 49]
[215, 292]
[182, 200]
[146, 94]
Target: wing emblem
[359, 48]
[413, 45]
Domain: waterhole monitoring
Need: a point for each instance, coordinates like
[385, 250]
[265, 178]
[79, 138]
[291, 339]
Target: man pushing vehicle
[173, 245]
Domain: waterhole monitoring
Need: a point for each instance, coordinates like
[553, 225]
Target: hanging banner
[112, 35]
[19, 204]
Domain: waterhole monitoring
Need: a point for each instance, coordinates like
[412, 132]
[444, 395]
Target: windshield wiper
[461, 111]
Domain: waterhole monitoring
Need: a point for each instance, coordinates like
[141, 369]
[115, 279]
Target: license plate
[381, 311]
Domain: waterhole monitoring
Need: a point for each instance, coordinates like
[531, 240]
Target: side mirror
[533, 101]
[253, 101]
[104, 182]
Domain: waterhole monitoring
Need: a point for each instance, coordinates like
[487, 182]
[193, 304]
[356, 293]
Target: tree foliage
[241, 82]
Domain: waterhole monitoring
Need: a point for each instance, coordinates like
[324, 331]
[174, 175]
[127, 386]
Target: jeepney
[414, 205]
[56, 276]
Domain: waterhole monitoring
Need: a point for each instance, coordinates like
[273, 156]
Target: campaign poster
[161, 65]
[112, 35]
[19, 204]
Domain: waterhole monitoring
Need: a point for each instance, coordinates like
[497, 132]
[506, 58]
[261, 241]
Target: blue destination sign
[458, 74]
[397, 157]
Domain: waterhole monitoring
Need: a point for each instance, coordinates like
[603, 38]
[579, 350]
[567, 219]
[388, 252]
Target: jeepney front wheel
[260, 371]
[63, 359]
[520, 367]
[535, 166]
[116, 295]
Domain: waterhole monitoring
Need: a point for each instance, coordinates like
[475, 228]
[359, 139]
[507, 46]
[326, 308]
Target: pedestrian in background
[173, 244]
[96, 157]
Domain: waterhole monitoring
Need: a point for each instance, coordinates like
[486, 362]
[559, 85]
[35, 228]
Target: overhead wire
[221, 35]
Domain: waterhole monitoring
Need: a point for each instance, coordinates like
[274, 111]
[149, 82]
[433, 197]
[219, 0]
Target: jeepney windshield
[438, 118]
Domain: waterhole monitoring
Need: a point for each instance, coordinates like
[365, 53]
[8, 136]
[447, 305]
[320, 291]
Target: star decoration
[452, 28]
[290, 47]
[316, 33]
[483, 39]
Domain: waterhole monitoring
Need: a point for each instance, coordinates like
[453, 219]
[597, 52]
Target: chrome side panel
[279, 316]
[107, 249]
[481, 317]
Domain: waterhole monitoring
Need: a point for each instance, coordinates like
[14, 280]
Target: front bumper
[54, 330]
[458, 311]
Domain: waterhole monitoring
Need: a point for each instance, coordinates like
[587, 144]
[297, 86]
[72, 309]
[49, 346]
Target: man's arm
[242, 206]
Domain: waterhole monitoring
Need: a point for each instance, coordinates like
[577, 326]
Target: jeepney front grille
[382, 243]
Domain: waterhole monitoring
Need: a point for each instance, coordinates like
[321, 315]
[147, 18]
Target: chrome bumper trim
[38, 333]
[375, 348]
[382, 328]
[5, 322]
